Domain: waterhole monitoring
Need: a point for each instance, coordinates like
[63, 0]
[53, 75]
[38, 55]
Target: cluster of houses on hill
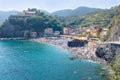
[48, 32]
[91, 34]
[81, 33]
[85, 33]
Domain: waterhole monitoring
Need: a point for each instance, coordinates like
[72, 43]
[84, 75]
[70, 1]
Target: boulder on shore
[77, 43]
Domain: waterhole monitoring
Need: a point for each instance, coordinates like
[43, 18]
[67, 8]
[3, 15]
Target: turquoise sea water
[25, 60]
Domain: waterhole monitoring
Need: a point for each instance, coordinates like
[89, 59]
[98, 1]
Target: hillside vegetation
[75, 12]
[68, 12]
[16, 25]
[115, 66]
[114, 36]
[114, 27]
[81, 16]
[101, 18]
[111, 52]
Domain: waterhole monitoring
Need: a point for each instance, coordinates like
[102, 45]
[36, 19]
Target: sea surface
[26, 60]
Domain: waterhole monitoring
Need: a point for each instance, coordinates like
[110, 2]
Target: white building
[48, 31]
[33, 34]
[66, 31]
[27, 13]
[57, 33]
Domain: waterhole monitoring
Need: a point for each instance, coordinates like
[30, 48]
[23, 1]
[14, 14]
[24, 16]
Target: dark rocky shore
[87, 53]
[108, 52]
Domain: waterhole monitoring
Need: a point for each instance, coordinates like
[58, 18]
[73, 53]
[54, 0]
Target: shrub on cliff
[115, 66]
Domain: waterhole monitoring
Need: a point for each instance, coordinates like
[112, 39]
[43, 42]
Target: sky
[54, 5]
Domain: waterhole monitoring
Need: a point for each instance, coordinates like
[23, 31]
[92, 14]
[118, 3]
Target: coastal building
[79, 38]
[88, 30]
[33, 34]
[65, 31]
[48, 31]
[57, 33]
[82, 38]
[77, 30]
[80, 30]
[94, 32]
[92, 44]
[27, 13]
[103, 33]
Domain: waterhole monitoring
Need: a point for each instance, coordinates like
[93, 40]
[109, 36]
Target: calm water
[25, 60]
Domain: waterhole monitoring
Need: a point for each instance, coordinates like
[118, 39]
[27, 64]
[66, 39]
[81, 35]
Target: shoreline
[19, 38]
[81, 53]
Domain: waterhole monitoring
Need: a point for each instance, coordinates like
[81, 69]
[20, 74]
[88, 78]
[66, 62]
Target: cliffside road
[114, 42]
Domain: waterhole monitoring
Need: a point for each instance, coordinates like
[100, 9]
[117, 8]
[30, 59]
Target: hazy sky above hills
[54, 5]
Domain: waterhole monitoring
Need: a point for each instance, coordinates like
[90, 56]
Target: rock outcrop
[115, 33]
[115, 27]
[108, 52]
[77, 43]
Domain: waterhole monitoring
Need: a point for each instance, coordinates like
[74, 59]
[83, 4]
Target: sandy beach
[86, 52]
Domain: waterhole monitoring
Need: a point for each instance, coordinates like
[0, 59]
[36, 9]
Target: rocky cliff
[115, 27]
[108, 52]
[115, 33]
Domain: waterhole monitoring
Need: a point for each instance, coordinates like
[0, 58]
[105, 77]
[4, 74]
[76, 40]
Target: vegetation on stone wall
[115, 66]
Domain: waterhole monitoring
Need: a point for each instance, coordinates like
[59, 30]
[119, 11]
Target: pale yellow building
[92, 44]
[94, 32]
[81, 38]
[65, 31]
[103, 33]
